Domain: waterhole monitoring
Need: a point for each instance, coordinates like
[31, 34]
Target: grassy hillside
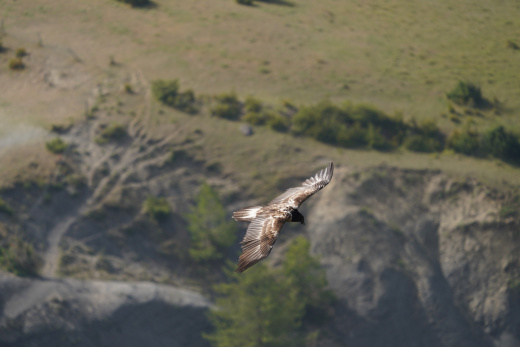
[400, 56]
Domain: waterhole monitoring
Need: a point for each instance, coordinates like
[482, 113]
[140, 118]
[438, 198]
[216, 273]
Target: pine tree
[261, 308]
[210, 230]
[269, 307]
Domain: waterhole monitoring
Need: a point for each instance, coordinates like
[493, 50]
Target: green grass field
[400, 56]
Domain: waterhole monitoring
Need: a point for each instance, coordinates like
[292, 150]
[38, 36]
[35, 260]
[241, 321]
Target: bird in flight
[267, 221]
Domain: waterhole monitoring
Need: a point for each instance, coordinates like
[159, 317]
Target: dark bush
[466, 142]
[425, 138]
[56, 146]
[420, 143]
[18, 257]
[227, 106]
[322, 121]
[501, 144]
[277, 122]
[252, 105]
[353, 136]
[349, 126]
[113, 132]
[245, 2]
[376, 140]
[157, 208]
[466, 94]
[20, 52]
[255, 118]
[16, 64]
[137, 3]
[512, 45]
[168, 93]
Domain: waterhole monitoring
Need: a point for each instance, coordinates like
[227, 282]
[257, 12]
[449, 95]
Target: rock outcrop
[418, 259]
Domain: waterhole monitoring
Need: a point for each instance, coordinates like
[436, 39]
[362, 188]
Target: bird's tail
[247, 214]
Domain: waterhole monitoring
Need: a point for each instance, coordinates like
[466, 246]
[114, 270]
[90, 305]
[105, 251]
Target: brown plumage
[267, 221]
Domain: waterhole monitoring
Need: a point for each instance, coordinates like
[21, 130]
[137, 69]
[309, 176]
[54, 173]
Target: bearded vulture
[267, 221]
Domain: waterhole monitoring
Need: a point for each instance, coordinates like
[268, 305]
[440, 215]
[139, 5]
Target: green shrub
[349, 126]
[354, 136]
[113, 132]
[425, 137]
[277, 122]
[376, 140]
[245, 2]
[56, 145]
[496, 142]
[157, 208]
[227, 106]
[16, 64]
[501, 144]
[254, 118]
[420, 143]
[466, 94]
[20, 52]
[252, 104]
[136, 3]
[466, 142]
[168, 93]
[322, 121]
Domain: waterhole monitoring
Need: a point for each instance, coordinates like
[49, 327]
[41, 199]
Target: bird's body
[267, 221]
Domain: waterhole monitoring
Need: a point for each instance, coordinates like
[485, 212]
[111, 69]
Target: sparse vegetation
[245, 2]
[56, 145]
[211, 231]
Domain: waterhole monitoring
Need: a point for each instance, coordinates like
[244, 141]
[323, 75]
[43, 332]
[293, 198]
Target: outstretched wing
[259, 240]
[294, 197]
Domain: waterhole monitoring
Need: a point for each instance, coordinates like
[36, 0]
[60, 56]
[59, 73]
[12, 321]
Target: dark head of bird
[296, 216]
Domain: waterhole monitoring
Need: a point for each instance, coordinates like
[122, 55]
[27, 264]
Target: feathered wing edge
[307, 189]
[246, 214]
[323, 177]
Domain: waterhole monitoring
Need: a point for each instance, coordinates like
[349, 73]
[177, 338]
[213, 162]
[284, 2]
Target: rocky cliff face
[418, 259]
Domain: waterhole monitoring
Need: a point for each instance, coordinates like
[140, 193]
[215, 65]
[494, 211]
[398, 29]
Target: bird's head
[296, 216]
